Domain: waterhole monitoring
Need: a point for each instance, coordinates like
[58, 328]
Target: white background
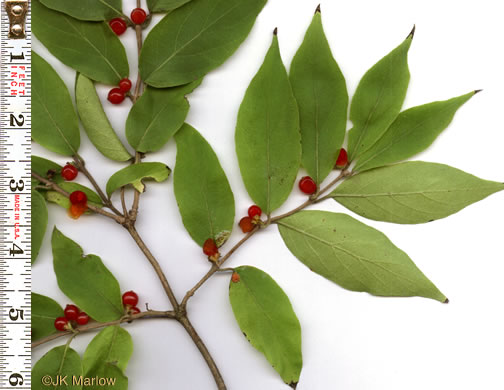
[351, 341]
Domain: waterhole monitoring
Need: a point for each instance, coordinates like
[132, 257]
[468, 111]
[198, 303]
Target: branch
[184, 321]
[222, 260]
[216, 267]
[136, 95]
[53, 186]
[155, 264]
[149, 314]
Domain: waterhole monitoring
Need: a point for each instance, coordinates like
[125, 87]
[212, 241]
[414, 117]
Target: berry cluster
[247, 224]
[130, 301]
[119, 25]
[78, 204]
[307, 185]
[73, 318]
[118, 94]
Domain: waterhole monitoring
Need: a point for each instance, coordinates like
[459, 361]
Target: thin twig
[136, 95]
[136, 196]
[81, 166]
[98, 325]
[53, 186]
[123, 202]
[216, 266]
[155, 264]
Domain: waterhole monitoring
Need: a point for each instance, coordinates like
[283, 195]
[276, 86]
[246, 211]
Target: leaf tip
[275, 31]
[317, 11]
[412, 33]
[477, 91]
[293, 385]
[446, 301]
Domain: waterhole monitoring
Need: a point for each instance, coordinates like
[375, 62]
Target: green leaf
[268, 141]
[95, 121]
[413, 131]
[90, 48]
[46, 168]
[63, 201]
[54, 122]
[135, 175]
[44, 311]
[412, 192]
[157, 116]
[58, 362]
[39, 217]
[321, 94]
[265, 315]
[93, 10]
[113, 345]
[86, 280]
[192, 40]
[165, 5]
[204, 197]
[378, 99]
[354, 255]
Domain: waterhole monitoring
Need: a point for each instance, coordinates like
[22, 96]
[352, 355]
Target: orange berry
[76, 210]
[235, 278]
[246, 224]
[210, 247]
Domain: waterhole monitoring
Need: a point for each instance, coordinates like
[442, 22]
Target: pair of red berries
[118, 94]
[247, 224]
[130, 301]
[308, 185]
[119, 26]
[72, 315]
[78, 204]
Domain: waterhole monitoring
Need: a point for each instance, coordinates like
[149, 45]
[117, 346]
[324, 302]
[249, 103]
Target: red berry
[138, 16]
[61, 323]
[82, 319]
[69, 172]
[71, 312]
[125, 85]
[116, 96]
[134, 310]
[246, 224]
[78, 197]
[307, 185]
[254, 210]
[342, 161]
[130, 298]
[118, 26]
[235, 278]
[210, 247]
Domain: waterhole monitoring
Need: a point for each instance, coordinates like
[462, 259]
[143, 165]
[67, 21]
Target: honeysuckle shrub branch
[286, 120]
